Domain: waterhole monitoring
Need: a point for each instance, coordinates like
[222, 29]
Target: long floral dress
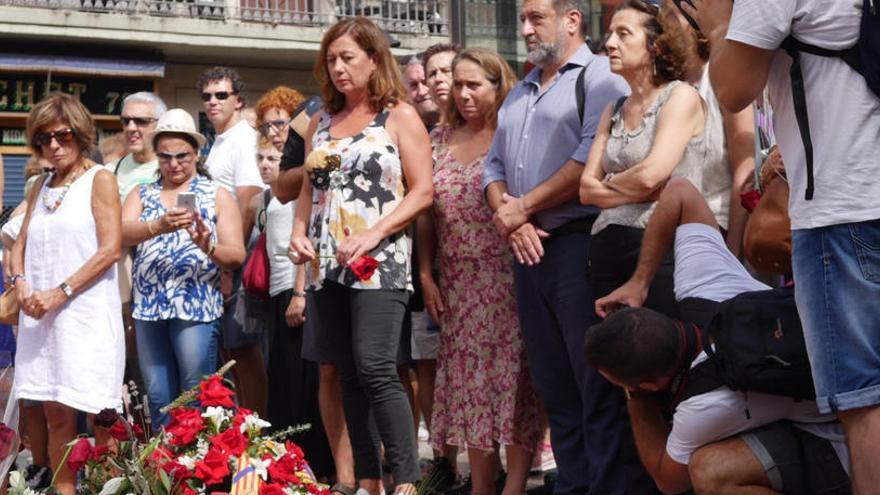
[483, 393]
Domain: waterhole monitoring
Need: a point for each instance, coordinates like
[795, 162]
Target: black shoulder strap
[116, 169]
[799, 97]
[579, 87]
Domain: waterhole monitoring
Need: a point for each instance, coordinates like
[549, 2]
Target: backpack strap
[262, 215]
[579, 93]
[799, 97]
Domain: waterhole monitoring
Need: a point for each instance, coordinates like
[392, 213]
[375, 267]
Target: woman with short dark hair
[369, 167]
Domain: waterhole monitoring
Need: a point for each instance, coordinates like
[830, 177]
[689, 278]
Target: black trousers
[364, 329]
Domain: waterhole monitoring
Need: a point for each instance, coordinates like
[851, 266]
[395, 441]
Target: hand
[632, 294]
[295, 315]
[226, 284]
[510, 215]
[300, 250]
[41, 302]
[175, 219]
[357, 245]
[200, 234]
[433, 300]
[710, 15]
[526, 244]
[22, 291]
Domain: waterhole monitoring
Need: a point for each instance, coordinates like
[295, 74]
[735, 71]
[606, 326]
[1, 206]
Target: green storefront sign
[102, 96]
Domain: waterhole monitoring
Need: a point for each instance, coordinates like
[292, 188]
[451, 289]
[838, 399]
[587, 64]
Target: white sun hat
[178, 121]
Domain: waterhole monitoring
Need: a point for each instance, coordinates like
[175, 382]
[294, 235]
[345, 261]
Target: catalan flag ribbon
[245, 481]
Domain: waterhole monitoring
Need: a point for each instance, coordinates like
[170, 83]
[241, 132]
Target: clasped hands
[36, 304]
[512, 221]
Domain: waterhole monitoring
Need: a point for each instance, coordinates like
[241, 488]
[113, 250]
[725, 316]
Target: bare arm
[289, 184]
[651, 431]
[426, 237]
[738, 72]
[414, 144]
[243, 196]
[250, 213]
[301, 249]
[16, 258]
[739, 129]
[229, 253]
[682, 117]
[593, 189]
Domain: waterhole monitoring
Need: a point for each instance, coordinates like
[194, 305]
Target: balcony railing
[419, 17]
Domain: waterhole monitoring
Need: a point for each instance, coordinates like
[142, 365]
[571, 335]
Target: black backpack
[863, 57]
[759, 346]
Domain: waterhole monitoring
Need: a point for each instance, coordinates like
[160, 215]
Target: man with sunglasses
[140, 112]
[232, 164]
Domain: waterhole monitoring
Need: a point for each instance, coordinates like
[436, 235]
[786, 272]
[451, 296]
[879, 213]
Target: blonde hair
[62, 107]
[385, 87]
[497, 72]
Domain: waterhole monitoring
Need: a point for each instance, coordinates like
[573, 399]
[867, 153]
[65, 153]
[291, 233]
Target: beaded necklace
[53, 205]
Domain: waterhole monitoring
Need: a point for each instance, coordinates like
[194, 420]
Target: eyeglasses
[275, 125]
[138, 121]
[220, 95]
[182, 158]
[62, 136]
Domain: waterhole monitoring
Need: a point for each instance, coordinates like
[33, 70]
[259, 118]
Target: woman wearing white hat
[181, 245]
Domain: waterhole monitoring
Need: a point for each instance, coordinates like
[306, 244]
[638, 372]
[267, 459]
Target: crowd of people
[511, 261]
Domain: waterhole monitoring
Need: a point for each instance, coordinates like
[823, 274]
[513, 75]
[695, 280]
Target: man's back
[844, 114]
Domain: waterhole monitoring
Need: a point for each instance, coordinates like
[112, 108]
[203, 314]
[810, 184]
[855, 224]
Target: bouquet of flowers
[214, 448]
[323, 170]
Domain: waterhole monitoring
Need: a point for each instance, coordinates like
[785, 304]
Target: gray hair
[414, 60]
[151, 99]
[562, 6]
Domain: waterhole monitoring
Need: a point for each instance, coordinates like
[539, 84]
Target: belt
[579, 226]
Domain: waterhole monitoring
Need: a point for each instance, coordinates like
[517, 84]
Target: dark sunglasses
[63, 136]
[180, 157]
[138, 121]
[220, 95]
[275, 125]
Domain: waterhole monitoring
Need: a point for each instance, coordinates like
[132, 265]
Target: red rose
[293, 450]
[750, 199]
[99, 452]
[284, 469]
[238, 419]
[159, 455]
[214, 393]
[231, 442]
[106, 418]
[185, 425]
[79, 454]
[120, 432]
[213, 468]
[364, 267]
[7, 439]
[176, 470]
[272, 489]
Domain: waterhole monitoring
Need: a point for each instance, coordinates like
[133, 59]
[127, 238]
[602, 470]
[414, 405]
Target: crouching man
[721, 441]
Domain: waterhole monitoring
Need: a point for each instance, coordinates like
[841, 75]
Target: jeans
[364, 327]
[174, 356]
[837, 284]
[591, 438]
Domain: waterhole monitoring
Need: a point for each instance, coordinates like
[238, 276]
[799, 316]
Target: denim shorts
[837, 288]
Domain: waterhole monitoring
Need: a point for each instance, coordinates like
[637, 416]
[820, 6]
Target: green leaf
[166, 482]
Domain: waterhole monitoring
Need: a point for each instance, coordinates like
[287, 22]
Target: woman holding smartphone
[184, 229]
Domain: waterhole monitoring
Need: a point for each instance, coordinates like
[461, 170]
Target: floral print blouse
[356, 181]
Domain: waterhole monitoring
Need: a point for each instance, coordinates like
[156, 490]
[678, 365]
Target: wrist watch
[68, 291]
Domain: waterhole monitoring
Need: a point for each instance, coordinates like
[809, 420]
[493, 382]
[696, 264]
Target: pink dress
[483, 393]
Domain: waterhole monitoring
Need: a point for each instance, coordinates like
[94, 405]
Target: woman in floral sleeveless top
[369, 175]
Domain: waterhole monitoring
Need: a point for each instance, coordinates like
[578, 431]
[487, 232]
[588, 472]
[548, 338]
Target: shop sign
[102, 96]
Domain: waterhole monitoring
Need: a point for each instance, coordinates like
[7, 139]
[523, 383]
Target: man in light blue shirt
[531, 179]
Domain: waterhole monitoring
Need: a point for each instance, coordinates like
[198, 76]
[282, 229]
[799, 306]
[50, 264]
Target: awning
[81, 65]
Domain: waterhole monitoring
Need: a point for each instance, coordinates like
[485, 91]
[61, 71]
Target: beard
[544, 53]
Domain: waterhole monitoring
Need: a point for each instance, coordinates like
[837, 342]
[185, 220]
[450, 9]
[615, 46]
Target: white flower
[260, 467]
[279, 450]
[362, 182]
[202, 447]
[253, 422]
[338, 179]
[111, 486]
[187, 462]
[217, 415]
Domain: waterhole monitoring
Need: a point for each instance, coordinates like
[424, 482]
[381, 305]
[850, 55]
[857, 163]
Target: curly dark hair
[220, 73]
[668, 47]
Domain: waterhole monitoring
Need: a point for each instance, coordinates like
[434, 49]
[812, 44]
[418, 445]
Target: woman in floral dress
[484, 395]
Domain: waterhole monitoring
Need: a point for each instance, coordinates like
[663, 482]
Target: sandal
[343, 489]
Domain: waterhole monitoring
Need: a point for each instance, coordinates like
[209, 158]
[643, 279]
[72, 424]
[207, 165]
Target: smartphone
[187, 200]
[690, 19]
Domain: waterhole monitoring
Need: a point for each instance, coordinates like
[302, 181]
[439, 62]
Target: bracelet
[297, 293]
[16, 277]
[150, 228]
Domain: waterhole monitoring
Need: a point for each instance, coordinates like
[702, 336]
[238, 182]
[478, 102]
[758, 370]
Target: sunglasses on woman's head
[63, 136]
[220, 95]
[277, 125]
[138, 121]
